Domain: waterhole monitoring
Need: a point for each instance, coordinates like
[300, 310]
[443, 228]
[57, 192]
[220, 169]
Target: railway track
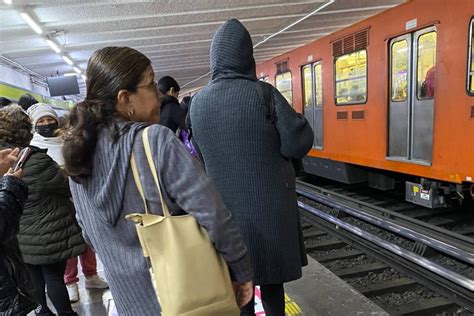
[402, 259]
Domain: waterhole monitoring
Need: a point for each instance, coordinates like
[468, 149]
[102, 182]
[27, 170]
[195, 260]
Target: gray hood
[232, 52]
[106, 187]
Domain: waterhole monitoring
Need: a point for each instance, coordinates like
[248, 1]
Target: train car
[389, 98]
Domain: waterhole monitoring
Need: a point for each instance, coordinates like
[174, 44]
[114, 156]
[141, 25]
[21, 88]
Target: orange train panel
[364, 142]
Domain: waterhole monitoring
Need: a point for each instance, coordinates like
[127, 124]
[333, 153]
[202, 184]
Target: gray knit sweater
[248, 157]
[103, 200]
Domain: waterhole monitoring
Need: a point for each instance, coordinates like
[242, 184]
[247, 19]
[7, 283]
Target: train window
[318, 84]
[283, 84]
[471, 59]
[307, 91]
[426, 65]
[399, 71]
[351, 78]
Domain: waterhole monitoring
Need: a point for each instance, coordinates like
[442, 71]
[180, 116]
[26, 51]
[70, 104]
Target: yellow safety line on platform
[291, 308]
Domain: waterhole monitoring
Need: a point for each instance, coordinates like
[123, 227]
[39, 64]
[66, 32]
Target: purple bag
[184, 137]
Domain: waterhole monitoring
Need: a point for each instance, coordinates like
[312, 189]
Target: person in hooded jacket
[248, 157]
[16, 296]
[172, 115]
[49, 233]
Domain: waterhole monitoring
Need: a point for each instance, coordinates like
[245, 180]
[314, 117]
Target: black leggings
[273, 300]
[53, 276]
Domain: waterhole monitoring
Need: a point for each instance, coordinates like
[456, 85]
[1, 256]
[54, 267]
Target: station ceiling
[175, 34]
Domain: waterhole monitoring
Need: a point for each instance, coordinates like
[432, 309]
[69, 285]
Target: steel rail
[399, 251]
[367, 206]
[392, 226]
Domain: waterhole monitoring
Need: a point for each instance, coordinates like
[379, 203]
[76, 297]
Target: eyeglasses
[151, 85]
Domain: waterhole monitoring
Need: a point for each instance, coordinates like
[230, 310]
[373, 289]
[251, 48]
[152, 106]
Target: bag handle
[151, 163]
[265, 94]
[136, 177]
[138, 182]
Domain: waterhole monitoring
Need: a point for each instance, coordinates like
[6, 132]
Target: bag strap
[138, 182]
[151, 163]
[265, 94]
[136, 177]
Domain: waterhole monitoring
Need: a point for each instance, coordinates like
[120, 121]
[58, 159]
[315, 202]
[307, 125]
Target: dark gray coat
[247, 156]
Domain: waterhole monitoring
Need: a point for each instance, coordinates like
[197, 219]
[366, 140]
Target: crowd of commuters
[48, 236]
[241, 189]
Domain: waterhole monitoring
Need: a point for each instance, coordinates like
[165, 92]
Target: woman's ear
[123, 100]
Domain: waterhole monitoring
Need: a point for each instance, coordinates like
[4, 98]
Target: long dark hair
[109, 70]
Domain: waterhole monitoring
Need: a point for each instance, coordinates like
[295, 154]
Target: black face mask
[47, 130]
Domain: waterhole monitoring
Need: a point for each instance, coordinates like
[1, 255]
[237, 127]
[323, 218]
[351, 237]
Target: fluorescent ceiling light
[31, 23]
[76, 69]
[83, 77]
[66, 59]
[70, 74]
[8, 1]
[53, 46]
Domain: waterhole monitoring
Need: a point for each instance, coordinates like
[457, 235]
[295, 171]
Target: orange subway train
[390, 100]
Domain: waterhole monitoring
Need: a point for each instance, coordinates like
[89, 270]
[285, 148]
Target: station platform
[318, 292]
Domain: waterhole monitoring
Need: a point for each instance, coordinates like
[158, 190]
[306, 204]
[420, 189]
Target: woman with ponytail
[100, 135]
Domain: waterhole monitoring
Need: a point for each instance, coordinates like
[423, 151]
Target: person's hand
[7, 158]
[243, 292]
[16, 174]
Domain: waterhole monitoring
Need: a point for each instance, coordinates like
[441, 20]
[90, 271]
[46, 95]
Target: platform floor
[318, 292]
[92, 302]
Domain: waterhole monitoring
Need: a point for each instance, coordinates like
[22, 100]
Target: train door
[312, 100]
[308, 104]
[411, 105]
[318, 105]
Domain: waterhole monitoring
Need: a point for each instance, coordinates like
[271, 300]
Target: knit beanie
[40, 110]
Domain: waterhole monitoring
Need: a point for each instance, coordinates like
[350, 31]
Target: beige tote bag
[189, 276]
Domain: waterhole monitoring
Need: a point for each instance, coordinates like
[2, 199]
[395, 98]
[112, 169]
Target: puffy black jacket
[49, 232]
[15, 287]
[172, 115]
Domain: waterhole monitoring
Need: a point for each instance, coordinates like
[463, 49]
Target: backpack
[265, 94]
[185, 137]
